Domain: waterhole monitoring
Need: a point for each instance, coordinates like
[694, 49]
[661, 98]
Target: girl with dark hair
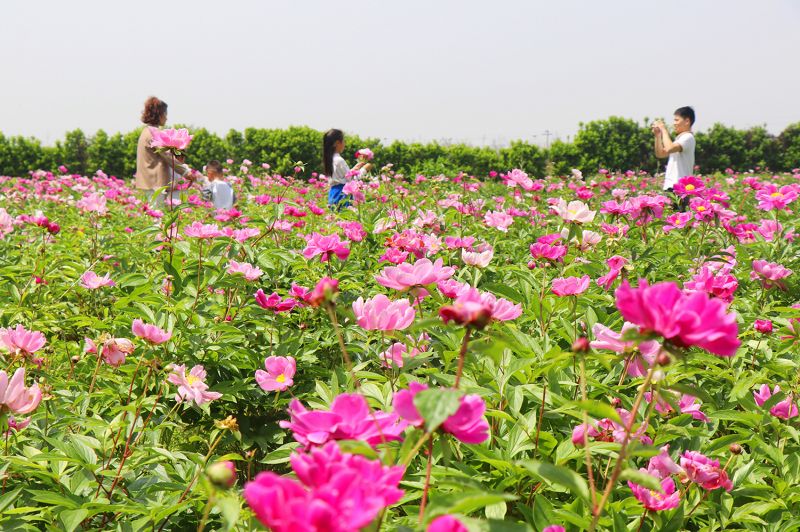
[335, 166]
[154, 169]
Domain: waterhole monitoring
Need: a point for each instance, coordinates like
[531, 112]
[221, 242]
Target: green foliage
[615, 143]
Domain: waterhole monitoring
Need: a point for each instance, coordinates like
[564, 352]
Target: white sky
[464, 70]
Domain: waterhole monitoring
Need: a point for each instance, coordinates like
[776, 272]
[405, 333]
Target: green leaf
[558, 475]
[436, 405]
[229, 508]
[643, 479]
[71, 519]
[598, 410]
[496, 511]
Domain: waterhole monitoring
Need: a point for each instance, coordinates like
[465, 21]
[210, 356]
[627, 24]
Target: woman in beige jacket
[154, 169]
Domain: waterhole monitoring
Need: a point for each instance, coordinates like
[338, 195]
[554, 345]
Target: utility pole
[547, 134]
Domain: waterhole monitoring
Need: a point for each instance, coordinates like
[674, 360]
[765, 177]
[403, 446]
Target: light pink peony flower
[250, 272]
[19, 340]
[191, 387]
[380, 313]
[477, 309]
[570, 286]
[422, 273]
[91, 281]
[93, 203]
[149, 333]
[575, 211]
[171, 139]
[15, 397]
[644, 356]
[279, 374]
[349, 418]
[499, 220]
[683, 319]
[479, 259]
[116, 349]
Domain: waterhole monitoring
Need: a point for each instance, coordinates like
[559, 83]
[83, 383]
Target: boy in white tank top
[680, 152]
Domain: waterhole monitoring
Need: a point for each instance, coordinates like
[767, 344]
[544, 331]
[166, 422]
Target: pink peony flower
[19, 340]
[149, 333]
[323, 291]
[202, 231]
[683, 319]
[656, 501]
[608, 430]
[93, 203]
[325, 247]
[92, 281]
[770, 197]
[422, 273]
[615, 265]
[570, 286]
[467, 424]
[349, 418]
[549, 252]
[191, 387]
[688, 186]
[644, 356]
[705, 471]
[477, 309]
[116, 349]
[785, 409]
[15, 397]
[446, 523]
[380, 313]
[278, 376]
[769, 273]
[499, 220]
[250, 272]
[554, 528]
[335, 492]
[171, 139]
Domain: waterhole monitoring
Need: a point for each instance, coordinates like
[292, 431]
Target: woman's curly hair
[154, 110]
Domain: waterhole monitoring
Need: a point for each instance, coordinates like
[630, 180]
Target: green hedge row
[615, 143]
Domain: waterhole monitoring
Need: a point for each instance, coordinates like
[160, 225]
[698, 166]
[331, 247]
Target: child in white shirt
[218, 191]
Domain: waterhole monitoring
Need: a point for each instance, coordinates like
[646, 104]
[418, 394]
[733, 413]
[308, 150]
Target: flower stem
[427, 481]
[461, 356]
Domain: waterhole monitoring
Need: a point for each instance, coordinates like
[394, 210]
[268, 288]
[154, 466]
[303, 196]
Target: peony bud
[222, 474]
[735, 448]
[580, 345]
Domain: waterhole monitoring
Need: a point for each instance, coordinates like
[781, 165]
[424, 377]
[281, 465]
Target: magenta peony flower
[763, 326]
[250, 272]
[769, 273]
[274, 301]
[657, 501]
[615, 265]
[705, 471]
[422, 273]
[379, 313]
[191, 387]
[323, 291]
[335, 492]
[170, 139]
[15, 397]
[278, 376]
[349, 418]
[149, 333]
[683, 319]
[785, 409]
[446, 523]
[687, 404]
[202, 231]
[325, 247]
[92, 281]
[19, 340]
[467, 424]
[608, 430]
[688, 186]
[554, 528]
[116, 349]
[770, 197]
[662, 465]
[548, 252]
[570, 286]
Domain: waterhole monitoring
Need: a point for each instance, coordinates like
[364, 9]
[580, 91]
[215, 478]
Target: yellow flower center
[191, 379]
[775, 195]
[701, 208]
[689, 187]
[280, 378]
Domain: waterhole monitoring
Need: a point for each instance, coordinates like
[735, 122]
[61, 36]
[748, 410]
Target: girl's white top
[340, 170]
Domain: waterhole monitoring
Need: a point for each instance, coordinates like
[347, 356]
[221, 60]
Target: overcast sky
[464, 70]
